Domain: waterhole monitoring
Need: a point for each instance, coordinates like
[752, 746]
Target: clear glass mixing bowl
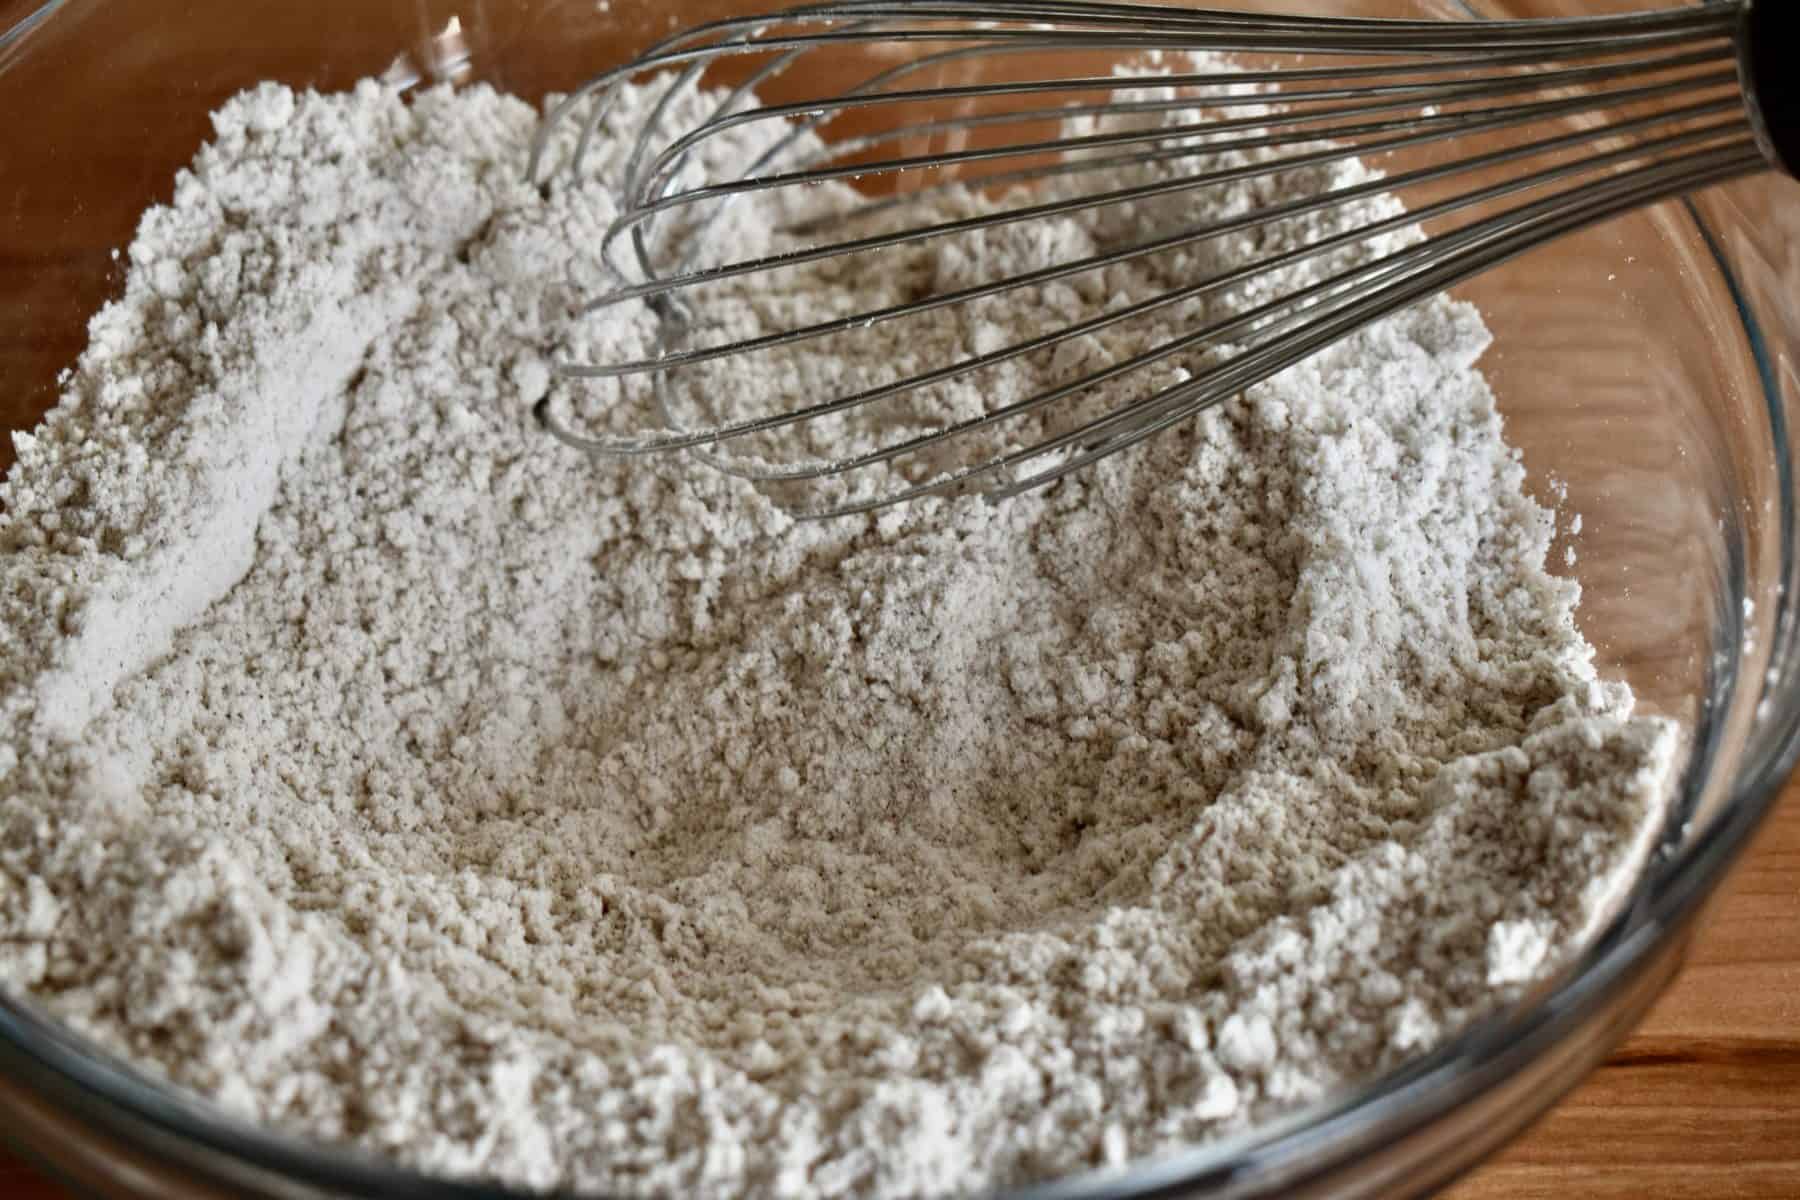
[1647, 370]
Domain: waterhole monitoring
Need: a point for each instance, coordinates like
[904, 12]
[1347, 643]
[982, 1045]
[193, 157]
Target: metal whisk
[893, 129]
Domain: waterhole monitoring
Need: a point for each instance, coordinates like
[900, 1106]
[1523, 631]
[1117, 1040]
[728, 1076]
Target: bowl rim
[108, 1095]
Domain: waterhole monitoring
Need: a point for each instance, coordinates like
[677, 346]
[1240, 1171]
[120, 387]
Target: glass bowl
[1646, 369]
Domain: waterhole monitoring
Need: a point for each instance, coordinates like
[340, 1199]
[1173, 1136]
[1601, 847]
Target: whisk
[897, 127]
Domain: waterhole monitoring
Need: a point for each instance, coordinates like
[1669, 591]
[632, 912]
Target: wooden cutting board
[1702, 1103]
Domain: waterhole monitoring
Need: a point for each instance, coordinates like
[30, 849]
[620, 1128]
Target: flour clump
[390, 775]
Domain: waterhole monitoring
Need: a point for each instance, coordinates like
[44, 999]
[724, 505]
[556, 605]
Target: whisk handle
[1767, 39]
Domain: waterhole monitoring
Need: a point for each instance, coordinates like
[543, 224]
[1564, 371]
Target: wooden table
[1702, 1103]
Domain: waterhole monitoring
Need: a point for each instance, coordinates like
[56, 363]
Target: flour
[393, 776]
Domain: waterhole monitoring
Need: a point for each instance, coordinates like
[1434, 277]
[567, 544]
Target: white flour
[392, 775]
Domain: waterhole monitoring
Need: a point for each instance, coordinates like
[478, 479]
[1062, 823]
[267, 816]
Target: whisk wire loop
[892, 127]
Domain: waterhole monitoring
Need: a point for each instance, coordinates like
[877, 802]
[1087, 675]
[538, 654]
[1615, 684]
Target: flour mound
[391, 775]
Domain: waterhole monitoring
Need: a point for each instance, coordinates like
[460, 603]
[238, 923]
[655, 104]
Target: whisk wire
[1489, 121]
[1640, 107]
[1383, 268]
[1440, 93]
[1180, 402]
[1188, 400]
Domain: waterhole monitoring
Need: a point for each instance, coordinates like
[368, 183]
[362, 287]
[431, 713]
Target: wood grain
[1703, 1101]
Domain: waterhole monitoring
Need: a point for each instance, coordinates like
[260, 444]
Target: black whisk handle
[1767, 40]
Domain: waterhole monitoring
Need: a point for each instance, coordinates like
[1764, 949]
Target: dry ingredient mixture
[392, 775]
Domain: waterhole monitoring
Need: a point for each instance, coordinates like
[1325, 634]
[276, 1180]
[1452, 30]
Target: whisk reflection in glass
[953, 121]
